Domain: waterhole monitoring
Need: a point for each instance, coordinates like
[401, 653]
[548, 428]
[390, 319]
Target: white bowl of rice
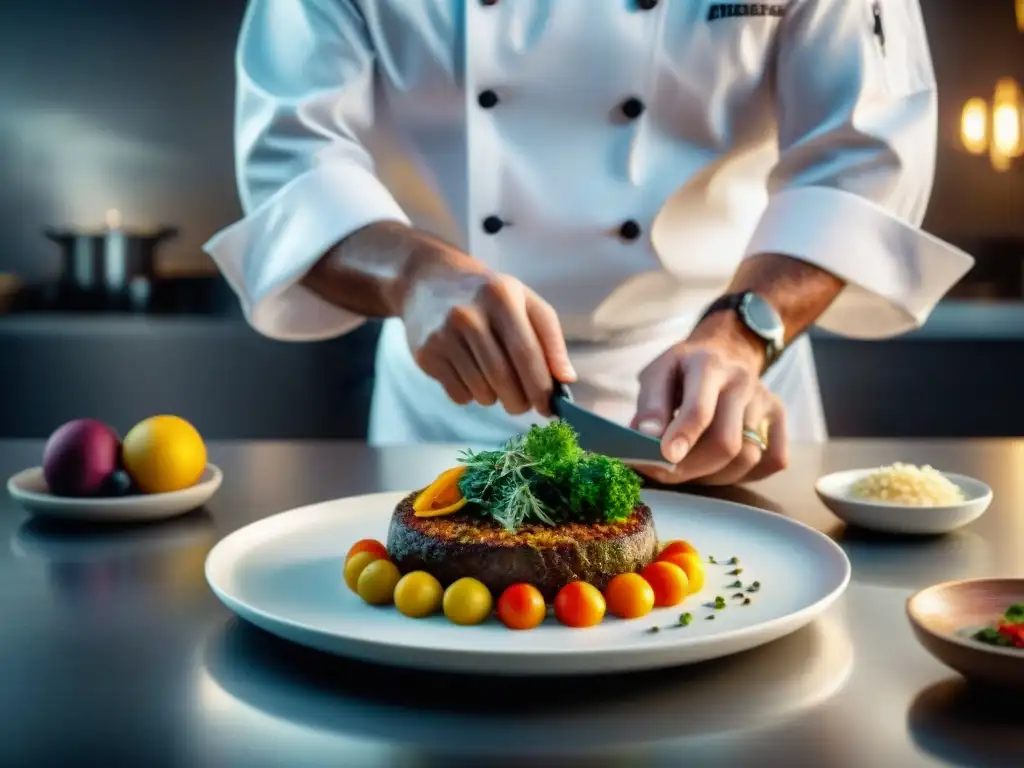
[903, 498]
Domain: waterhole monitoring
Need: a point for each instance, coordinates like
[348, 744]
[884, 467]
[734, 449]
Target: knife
[600, 435]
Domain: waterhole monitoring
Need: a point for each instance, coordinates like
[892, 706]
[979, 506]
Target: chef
[651, 200]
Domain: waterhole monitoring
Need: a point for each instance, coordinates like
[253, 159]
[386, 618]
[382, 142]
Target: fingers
[441, 370]
[748, 456]
[545, 324]
[659, 392]
[505, 344]
[521, 342]
[776, 458]
[704, 378]
[472, 327]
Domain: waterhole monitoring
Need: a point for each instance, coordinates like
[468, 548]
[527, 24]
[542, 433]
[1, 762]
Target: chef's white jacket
[620, 157]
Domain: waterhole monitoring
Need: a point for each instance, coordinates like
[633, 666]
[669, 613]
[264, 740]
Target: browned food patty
[453, 546]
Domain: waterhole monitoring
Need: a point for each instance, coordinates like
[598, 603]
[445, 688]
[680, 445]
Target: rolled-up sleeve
[856, 105]
[305, 72]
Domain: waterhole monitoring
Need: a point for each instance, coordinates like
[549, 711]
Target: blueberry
[118, 483]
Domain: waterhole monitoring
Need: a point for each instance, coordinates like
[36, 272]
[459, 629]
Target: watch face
[762, 318]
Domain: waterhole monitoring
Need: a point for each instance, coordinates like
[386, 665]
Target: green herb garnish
[735, 572]
[738, 596]
[711, 559]
[709, 617]
[719, 603]
[734, 561]
[685, 619]
[735, 585]
[1014, 614]
[543, 476]
[746, 601]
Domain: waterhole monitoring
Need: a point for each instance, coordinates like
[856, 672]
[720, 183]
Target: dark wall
[127, 104]
[115, 104]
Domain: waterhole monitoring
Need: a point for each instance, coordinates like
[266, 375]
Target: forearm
[800, 292]
[370, 272]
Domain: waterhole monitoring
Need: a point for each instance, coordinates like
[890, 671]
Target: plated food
[538, 524]
[904, 499]
[975, 626]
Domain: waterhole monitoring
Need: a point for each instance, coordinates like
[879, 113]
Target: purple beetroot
[80, 458]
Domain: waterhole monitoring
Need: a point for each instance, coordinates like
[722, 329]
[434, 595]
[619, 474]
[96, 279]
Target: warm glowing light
[974, 126]
[1006, 119]
[1020, 15]
[112, 218]
[996, 128]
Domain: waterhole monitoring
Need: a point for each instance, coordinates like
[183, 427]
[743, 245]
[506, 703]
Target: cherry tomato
[418, 594]
[677, 547]
[467, 601]
[692, 566]
[579, 605]
[368, 545]
[355, 565]
[668, 581]
[629, 596]
[521, 606]
[376, 584]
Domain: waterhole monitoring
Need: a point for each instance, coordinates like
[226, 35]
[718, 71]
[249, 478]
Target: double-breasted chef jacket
[620, 157]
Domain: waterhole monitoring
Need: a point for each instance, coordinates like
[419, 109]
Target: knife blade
[600, 435]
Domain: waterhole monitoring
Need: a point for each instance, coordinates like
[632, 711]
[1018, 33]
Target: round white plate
[283, 574]
[834, 492]
[28, 488]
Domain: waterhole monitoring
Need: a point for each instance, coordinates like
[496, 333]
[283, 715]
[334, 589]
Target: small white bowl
[835, 492]
[29, 489]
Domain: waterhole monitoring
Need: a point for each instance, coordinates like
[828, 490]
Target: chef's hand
[485, 337]
[699, 396]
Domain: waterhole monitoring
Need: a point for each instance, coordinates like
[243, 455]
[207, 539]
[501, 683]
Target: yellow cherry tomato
[418, 594]
[467, 601]
[376, 584]
[692, 566]
[355, 565]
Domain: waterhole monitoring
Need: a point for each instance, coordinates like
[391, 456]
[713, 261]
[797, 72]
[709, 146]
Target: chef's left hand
[699, 396]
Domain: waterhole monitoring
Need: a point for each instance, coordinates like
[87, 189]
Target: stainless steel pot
[108, 269]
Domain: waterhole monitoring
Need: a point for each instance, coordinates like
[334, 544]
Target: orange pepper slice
[441, 497]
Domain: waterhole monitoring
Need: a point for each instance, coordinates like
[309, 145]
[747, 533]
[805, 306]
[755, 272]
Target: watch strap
[731, 302]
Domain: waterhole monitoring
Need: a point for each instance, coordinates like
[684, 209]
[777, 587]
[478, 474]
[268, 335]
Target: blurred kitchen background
[116, 115]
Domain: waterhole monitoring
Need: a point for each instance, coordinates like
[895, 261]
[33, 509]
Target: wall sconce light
[996, 128]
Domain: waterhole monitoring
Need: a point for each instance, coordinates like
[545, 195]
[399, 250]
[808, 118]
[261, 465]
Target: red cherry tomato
[372, 546]
[521, 606]
[668, 581]
[579, 605]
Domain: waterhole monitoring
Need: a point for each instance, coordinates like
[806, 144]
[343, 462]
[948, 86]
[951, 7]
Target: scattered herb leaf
[654, 629]
[685, 619]
[738, 595]
[735, 585]
[711, 559]
[719, 603]
[709, 617]
[746, 601]
[735, 572]
[734, 560]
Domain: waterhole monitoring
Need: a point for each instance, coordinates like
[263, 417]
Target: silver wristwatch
[759, 317]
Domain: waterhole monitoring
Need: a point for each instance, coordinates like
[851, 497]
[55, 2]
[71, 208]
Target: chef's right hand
[485, 337]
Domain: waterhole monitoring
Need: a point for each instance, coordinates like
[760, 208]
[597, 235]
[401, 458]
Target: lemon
[163, 454]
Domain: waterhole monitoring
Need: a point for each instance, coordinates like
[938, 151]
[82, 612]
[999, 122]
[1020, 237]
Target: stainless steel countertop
[113, 648]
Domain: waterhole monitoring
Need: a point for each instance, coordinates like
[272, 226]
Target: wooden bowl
[945, 616]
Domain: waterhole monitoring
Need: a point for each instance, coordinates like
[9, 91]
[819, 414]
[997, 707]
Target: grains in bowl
[908, 485]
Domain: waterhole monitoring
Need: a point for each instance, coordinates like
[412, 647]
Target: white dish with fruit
[451, 588]
[89, 474]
